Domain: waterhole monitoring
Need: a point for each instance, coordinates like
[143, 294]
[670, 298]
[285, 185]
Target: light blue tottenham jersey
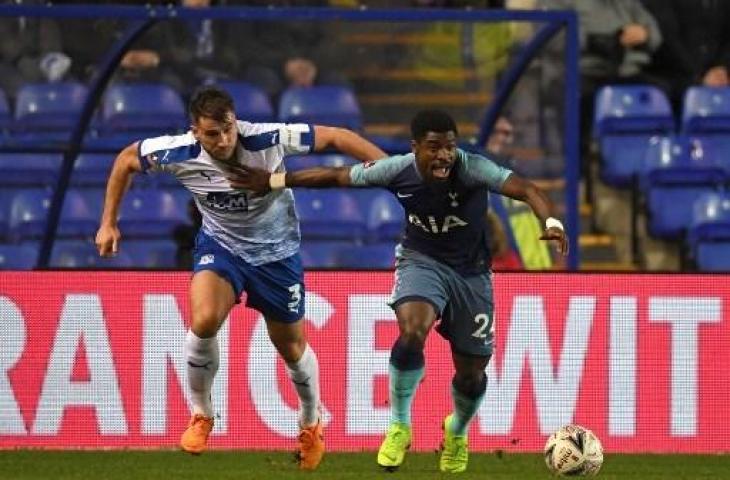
[444, 220]
[258, 228]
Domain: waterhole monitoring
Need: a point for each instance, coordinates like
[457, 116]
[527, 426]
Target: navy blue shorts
[275, 289]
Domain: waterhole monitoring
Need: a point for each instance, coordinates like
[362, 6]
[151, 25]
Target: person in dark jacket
[696, 47]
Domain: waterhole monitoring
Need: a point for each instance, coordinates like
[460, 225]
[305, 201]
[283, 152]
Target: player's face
[435, 155]
[217, 138]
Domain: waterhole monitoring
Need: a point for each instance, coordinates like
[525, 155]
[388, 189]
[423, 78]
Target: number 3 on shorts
[296, 297]
[484, 325]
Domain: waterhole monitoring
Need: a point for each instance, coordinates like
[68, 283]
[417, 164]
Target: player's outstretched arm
[261, 181]
[347, 142]
[522, 189]
[124, 168]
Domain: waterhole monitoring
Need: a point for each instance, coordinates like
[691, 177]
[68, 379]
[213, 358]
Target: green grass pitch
[169, 465]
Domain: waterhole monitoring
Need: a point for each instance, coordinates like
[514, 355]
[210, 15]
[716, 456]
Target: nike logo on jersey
[404, 195]
[274, 137]
[206, 175]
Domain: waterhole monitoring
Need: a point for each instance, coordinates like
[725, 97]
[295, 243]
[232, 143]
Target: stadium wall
[94, 360]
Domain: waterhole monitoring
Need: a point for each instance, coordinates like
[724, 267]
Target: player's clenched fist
[107, 240]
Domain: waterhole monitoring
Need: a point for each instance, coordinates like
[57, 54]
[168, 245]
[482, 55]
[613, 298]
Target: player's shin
[202, 364]
[406, 372]
[304, 374]
[467, 398]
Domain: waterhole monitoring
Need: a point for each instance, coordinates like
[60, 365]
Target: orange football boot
[311, 446]
[195, 438]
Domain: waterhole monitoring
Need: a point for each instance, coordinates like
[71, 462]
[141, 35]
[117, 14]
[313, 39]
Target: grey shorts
[465, 305]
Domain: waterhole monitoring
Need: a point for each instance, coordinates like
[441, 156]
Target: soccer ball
[573, 451]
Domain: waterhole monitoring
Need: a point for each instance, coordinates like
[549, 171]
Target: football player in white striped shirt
[247, 242]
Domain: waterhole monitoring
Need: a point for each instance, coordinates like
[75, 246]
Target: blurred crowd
[670, 43]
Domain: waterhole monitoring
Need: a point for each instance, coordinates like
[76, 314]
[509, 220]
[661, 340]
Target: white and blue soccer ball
[573, 451]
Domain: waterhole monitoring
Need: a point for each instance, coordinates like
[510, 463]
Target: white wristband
[551, 222]
[277, 181]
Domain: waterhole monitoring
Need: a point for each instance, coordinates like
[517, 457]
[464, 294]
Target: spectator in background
[182, 54]
[500, 141]
[696, 47]
[31, 52]
[200, 51]
[275, 56]
[617, 38]
[504, 257]
[184, 236]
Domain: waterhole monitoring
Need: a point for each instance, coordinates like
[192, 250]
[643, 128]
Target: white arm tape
[553, 222]
[277, 181]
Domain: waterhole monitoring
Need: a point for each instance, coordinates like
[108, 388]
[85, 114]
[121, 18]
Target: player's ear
[414, 146]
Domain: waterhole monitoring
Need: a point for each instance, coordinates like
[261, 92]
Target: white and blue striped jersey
[258, 228]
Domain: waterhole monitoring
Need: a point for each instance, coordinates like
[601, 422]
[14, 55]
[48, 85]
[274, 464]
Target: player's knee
[413, 336]
[205, 322]
[470, 384]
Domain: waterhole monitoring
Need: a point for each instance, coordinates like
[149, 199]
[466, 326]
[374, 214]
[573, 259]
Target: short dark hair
[431, 121]
[212, 102]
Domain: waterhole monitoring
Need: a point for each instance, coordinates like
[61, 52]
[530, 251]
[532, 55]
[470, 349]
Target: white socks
[305, 376]
[201, 355]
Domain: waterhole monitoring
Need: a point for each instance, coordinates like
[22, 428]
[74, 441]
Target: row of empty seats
[161, 254]
[92, 169]
[672, 166]
[366, 215]
[48, 111]
[628, 117]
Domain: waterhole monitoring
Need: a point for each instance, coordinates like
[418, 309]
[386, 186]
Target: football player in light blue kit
[247, 242]
[442, 268]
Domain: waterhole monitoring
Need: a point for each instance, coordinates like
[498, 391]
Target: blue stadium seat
[321, 254]
[675, 174]
[626, 118]
[143, 109]
[77, 219]
[329, 214]
[29, 212]
[83, 254]
[150, 213]
[94, 197]
[709, 233]
[706, 110]
[48, 110]
[17, 257]
[385, 217]
[29, 169]
[366, 257]
[632, 108]
[301, 162]
[92, 169]
[323, 105]
[252, 103]
[151, 253]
